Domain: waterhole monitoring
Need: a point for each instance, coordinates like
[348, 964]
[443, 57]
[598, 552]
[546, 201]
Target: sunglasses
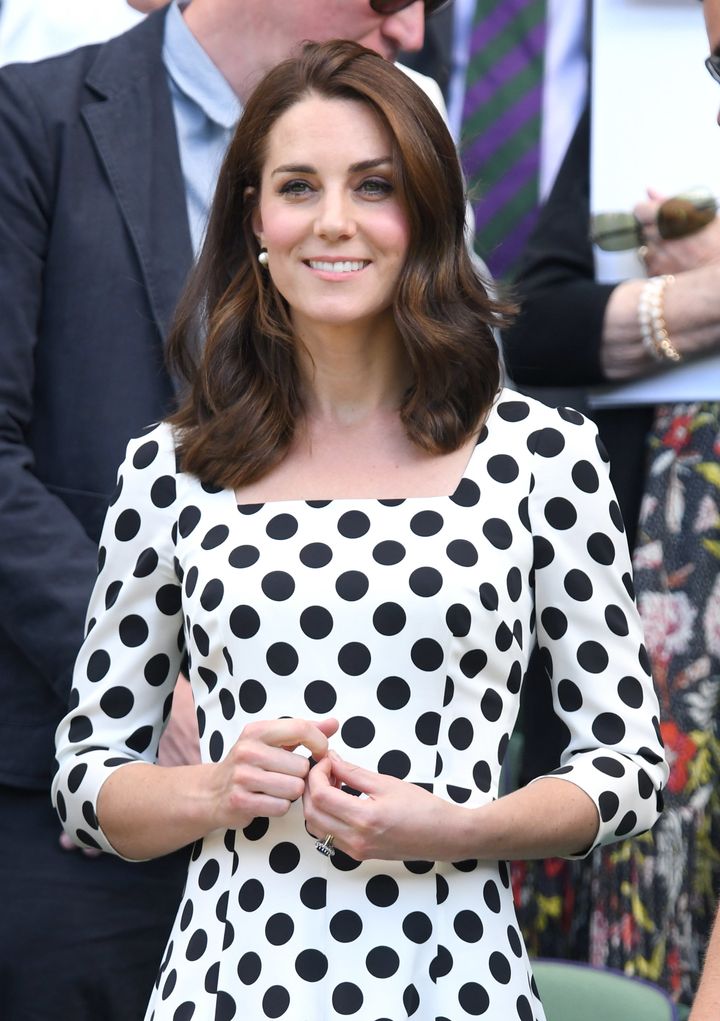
[677, 217]
[393, 6]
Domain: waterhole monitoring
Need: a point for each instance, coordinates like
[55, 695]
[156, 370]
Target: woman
[650, 902]
[352, 533]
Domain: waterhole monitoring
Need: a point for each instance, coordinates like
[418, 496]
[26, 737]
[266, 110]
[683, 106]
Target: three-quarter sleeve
[589, 630]
[129, 662]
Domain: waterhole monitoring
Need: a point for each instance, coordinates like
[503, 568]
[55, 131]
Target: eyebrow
[305, 168]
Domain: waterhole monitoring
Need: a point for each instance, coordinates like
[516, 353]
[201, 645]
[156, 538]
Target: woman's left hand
[681, 254]
[395, 821]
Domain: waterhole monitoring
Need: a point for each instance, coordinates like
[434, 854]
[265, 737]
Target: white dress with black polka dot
[411, 621]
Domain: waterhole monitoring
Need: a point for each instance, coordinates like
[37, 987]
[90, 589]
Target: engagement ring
[326, 846]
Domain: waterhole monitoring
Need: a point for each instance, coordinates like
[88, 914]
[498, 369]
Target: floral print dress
[646, 905]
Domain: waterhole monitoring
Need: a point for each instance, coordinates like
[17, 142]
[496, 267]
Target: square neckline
[251, 507]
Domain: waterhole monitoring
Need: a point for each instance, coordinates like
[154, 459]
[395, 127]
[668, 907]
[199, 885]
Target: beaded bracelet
[651, 313]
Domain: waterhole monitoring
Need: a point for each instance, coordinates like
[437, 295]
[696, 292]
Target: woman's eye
[295, 188]
[376, 187]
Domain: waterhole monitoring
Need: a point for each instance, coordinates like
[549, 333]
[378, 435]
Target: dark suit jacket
[94, 249]
[555, 341]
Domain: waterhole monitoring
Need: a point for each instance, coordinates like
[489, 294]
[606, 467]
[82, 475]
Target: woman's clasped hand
[266, 770]
[370, 815]
[373, 815]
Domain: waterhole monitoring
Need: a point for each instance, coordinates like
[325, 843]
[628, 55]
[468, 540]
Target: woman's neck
[352, 374]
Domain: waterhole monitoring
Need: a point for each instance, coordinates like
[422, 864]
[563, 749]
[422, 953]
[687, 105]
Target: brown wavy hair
[233, 341]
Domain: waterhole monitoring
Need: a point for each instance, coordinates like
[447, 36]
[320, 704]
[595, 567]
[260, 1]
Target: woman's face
[330, 215]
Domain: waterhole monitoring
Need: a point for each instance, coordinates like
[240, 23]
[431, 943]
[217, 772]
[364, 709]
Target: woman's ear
[250, 195]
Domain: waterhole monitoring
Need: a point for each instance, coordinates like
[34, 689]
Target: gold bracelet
[651, 313]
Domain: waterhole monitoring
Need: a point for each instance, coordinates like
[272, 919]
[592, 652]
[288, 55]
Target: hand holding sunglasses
[677, 217]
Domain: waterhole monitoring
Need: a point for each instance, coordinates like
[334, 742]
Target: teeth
[337, 267]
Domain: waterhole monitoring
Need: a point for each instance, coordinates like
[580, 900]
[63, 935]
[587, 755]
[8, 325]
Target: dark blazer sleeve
[47, 561]
[555, 340]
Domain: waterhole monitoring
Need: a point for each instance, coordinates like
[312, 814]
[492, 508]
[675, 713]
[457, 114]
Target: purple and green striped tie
[500, 141]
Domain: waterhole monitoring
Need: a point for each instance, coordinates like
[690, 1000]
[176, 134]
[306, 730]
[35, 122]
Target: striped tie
[501, 126]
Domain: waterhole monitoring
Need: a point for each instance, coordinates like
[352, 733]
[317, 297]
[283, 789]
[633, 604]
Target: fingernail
[334, 755]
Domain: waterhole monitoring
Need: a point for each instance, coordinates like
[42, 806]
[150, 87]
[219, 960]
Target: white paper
[697, 381]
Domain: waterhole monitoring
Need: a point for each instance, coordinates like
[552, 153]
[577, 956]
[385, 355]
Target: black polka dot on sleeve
[136, 610]
[588, 626]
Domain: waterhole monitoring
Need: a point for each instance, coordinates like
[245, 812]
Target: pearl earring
[263, 258]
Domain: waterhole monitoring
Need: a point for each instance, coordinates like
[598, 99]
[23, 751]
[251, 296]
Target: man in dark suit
[97, 158]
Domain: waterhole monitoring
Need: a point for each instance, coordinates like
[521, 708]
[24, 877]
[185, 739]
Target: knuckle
[322, 799]
[243, 750]
[239, 801]
[368, 822]
[249, 729]
[297, 787]
[279, 807]
[359, 849]
[241, 775]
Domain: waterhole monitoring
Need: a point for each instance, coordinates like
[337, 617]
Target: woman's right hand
[263, 774]
[147, 810]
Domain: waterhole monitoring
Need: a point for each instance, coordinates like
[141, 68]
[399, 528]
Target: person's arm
[574, 331]
[691, 303]
[109, 792]
[399, 821]
[706, 1005]
[47, 561]
[147, 810]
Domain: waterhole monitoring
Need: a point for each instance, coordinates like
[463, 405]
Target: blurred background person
[652, 900]
[515, 75]
[706, 1005]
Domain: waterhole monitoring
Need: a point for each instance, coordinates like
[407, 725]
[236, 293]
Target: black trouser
[81, 938]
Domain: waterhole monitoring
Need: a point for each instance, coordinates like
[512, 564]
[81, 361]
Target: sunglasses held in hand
[677, 217]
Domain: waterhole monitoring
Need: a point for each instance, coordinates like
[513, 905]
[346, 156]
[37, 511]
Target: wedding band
[326, 846]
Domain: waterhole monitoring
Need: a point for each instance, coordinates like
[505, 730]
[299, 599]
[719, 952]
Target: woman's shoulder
[528, 415]
[151, 463]
[154, 446]
[522, 427]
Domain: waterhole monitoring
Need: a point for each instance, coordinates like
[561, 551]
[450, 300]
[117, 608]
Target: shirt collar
[194, 73]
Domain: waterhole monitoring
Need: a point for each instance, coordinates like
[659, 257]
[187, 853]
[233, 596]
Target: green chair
[571, 991]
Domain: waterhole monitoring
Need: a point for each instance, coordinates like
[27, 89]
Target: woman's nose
[335, 217]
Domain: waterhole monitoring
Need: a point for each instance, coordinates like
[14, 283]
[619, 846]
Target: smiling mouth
[343, 266]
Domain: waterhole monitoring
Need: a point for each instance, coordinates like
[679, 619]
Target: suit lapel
[133, 130]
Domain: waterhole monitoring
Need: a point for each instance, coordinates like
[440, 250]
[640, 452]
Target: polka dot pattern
[412, 622]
